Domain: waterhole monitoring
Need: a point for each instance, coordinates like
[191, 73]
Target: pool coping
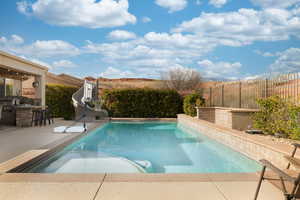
[145, 119]
[11, 170]
[117, 177]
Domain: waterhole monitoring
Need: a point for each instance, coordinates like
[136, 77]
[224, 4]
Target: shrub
[142, 103]
[190, 102]
[277, 115]
[59, 100]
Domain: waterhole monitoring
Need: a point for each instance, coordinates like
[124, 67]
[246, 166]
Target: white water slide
[87, 104]
[87, 108]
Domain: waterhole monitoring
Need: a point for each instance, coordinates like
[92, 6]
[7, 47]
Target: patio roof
[20, 65]
[20, 69]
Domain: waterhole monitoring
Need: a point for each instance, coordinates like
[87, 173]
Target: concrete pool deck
[15, 141]
[133, 187]
[15, 186]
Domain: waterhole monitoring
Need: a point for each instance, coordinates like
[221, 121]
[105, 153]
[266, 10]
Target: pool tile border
[145, 119]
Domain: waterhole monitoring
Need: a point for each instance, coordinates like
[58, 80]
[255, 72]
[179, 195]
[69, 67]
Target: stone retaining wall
[244, 143]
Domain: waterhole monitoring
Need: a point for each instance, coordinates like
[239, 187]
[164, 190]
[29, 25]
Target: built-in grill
[8, 107]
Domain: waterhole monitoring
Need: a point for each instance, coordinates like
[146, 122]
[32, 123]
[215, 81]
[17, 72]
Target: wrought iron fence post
[222, 91]
[240, 94]
[210, 97]
[267, 88]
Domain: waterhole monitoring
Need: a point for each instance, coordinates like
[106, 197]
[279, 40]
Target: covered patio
[15, 106]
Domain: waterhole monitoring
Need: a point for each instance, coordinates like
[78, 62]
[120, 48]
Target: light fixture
[35, 84]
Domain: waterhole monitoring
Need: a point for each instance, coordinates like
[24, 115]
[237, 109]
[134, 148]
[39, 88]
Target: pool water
[153, 147]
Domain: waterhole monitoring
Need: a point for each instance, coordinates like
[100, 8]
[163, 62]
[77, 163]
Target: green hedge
[142, 103]
[59, 100]
[190, 102]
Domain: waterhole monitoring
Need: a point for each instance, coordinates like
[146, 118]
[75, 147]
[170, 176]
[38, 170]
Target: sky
[222, 39]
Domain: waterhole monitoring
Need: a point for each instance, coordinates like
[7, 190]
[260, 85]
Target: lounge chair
[288, 181]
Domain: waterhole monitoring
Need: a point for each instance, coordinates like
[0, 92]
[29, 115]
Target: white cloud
[23, 7]
[13, 40]
[121, 35]
[244, 26]
[157, 52]
[222, 70]
[275, 3]
[86, 13]
[184, 46]
[146, 19]
[45, 64]
[112, 72]
[198, 2]
[48, 48]
[287, 62]
[252, 77]
[218, 3]
[152, 53]
[40, 48]
[17, 39]
[265, 54]
[64, 63]
[172, 5]
[34, 60]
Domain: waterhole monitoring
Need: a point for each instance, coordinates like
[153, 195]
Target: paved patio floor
[15, 141]
[102, 187]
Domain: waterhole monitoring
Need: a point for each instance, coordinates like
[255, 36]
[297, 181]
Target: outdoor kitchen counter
[24, 114]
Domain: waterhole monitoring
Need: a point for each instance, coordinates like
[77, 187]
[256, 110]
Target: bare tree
[181, 79]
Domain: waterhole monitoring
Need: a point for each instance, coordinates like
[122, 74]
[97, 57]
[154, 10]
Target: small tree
[181, 79]
[190, 102]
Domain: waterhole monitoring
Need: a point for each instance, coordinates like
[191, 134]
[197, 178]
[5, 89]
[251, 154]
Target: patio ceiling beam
[7, 73]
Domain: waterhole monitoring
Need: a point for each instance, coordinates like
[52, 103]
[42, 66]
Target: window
[10, 87]
[9, 84]
[2, 87]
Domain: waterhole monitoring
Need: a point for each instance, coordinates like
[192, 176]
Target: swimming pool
[146, 147]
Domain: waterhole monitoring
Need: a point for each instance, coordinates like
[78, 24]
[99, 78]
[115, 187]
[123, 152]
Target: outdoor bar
[16, 108]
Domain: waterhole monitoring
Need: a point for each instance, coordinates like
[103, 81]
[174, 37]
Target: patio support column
[40, 91]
